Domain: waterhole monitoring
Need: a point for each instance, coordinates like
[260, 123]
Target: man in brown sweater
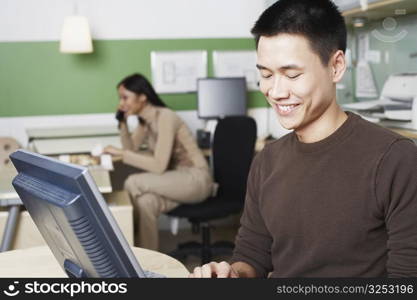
[337, 197]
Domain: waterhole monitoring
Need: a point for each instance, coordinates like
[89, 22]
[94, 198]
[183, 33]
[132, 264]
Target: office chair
[232, 152]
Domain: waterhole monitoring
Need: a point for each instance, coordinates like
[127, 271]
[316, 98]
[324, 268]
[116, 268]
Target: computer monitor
[73, 218]
[221, 97]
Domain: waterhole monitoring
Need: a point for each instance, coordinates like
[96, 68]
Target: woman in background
[174, 168]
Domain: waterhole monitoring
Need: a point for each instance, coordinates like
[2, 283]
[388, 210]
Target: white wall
[41, 20]
[268, 3]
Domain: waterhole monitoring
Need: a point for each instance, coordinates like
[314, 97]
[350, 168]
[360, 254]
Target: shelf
[382, 9]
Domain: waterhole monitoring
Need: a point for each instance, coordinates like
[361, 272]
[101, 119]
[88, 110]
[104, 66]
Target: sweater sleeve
[159, 160]
[396, 193]
[131, 141]
[253, 241]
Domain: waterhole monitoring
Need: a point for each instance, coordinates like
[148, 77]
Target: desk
[40, 262]
[70, 132]
[72, 140]
[402, 128]
[411, 134]
[73, 145]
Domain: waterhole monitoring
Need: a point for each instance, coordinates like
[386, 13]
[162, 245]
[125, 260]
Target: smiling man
[337, 197]
[298, 85]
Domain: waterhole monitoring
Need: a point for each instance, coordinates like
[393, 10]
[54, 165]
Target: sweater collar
[341, 133]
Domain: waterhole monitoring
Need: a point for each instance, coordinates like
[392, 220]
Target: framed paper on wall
[241, 63]
[178, 71]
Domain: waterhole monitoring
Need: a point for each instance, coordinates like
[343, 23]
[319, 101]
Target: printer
[396, 102]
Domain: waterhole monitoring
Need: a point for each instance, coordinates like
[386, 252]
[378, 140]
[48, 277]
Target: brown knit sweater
[345, 206]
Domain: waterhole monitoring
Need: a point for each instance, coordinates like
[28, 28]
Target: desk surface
[411, 134]
[74, 145]
[40, 262]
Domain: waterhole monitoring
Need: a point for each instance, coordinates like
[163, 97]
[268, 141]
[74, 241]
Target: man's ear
[338, 65]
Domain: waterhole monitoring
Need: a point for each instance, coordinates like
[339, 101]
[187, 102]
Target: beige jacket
[170, 144]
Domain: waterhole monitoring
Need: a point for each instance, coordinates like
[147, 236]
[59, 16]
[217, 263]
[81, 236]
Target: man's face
[294, 81]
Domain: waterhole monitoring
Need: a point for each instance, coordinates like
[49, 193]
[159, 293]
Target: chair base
[205, 250]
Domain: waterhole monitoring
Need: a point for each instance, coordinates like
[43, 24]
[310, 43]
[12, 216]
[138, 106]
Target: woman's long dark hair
[138, 84]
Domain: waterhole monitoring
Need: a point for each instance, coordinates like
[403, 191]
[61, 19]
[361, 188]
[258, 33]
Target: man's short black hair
[317, 20]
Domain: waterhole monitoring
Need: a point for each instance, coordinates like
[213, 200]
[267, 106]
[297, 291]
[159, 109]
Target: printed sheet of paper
[178, 71]
[365, 83]
[237, 64]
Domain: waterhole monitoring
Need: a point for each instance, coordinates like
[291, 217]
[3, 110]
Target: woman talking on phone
[173, 168]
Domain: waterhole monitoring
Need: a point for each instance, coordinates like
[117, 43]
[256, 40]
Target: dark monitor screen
[221, 97]
[73, 218]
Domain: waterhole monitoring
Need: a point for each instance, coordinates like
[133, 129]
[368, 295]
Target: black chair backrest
[233, 150]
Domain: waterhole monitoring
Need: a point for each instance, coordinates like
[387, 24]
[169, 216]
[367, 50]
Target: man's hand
[113, 151]
[214, 270]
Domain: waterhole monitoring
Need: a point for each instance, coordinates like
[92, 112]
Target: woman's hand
[113, 151]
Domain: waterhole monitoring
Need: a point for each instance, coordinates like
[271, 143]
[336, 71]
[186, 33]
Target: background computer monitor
[73, 218]
[221, 97]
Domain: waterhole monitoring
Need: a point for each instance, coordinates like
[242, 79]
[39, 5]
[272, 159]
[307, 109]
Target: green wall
[35, 79]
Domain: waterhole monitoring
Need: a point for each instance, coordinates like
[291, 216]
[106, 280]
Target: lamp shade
[75, 36]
